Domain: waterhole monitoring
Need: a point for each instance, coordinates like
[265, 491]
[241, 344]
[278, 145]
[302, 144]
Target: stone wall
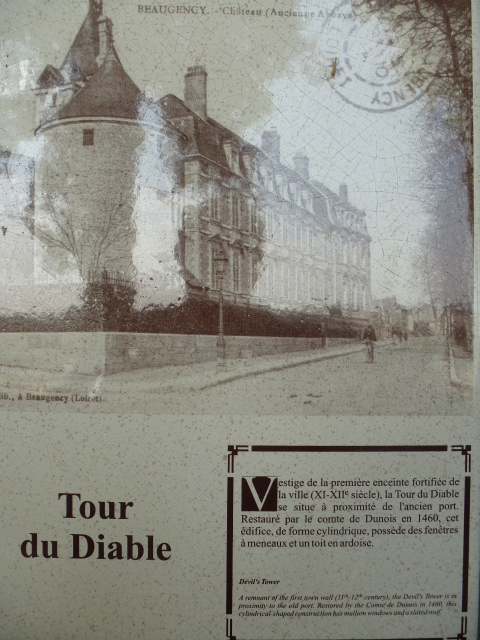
[69, 352]
[96, 353]
[125, 352]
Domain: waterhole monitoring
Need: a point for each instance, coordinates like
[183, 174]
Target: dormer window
[295, 193]
[88, 137]
[269, 180]
[249, 164]
[51, 100]
[253, 167]
[280, 182]
[307, 200]
[233, 156]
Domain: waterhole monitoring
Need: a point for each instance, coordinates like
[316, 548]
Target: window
[254, 220]
[311, 287]
[299, 285]
[365, 257]
[212, 269]
[345, 295]
[270, 281]
[320, 291]
[254, 168]
[254, 271]
[51, 100]
[234, 160]
[235, 211]
[280, 181]
[268, 180]
[286, 283]
[309, 201]
[236, 271]
[214, 204]
[88, 137]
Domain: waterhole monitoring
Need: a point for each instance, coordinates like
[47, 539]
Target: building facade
[153, 190]
[16, 212]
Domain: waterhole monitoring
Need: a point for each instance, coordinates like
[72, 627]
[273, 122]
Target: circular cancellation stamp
[368, 67]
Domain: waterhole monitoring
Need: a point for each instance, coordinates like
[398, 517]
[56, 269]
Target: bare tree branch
[91, 242]
[436, 39]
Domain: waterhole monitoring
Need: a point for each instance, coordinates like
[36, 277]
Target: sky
[273, 69]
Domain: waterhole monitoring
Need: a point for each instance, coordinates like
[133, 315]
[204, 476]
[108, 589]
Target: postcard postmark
[369, 65]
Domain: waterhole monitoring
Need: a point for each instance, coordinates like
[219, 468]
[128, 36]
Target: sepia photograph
[238, 355]
[201, 204]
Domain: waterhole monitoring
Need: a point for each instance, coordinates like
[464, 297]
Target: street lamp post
[220, 261]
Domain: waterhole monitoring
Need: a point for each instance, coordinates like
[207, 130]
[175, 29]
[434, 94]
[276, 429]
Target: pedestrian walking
[369, 337]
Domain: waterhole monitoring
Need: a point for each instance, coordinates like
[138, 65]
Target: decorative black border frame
[234, 450]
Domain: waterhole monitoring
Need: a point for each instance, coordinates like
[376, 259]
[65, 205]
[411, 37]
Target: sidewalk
[195, 377]
[209, 374]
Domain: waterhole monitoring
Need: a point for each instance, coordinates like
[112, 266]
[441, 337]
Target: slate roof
[107, 91]
[81, 59]
[85, 48]
[207, 138]
[110, 92]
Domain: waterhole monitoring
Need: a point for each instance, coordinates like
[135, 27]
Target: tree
[95, 245]
[435, 37]
[88, 242]
[445, 262]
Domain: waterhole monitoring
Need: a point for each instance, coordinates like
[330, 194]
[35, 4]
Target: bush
[195, 316]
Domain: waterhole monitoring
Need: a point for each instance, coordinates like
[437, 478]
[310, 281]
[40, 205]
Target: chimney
[301, 165]
[196, 91]
[343, 192]
[271, 144]
[105, 38]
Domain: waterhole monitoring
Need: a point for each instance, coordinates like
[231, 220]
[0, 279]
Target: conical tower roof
[83, 53]
[110, 92]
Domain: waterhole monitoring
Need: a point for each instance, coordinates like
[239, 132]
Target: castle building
[151, 191]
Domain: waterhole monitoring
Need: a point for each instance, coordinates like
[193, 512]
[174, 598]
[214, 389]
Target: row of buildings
[150, 191]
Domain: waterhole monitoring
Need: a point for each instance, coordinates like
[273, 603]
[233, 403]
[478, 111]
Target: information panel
[336, 533]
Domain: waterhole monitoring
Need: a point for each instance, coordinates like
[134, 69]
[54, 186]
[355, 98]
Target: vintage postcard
[305, 172]
[237, 339]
